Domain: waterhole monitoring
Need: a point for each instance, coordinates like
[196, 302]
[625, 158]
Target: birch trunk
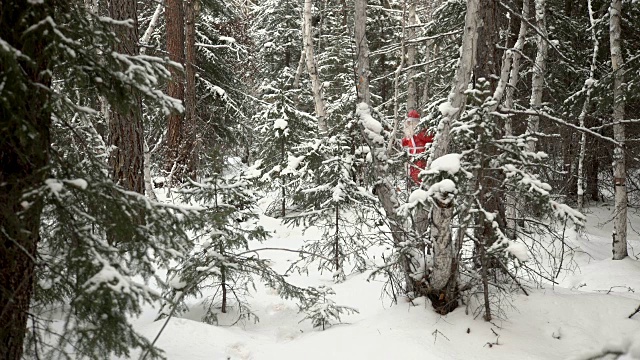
[152, 25]
[383, 188]
[301, 62]
[362, 47]
[539, 70]
[148, 181]
[619, 167]
[312, 68]
[396, 86]
[511, 209]
[444, 278]
[585, 108]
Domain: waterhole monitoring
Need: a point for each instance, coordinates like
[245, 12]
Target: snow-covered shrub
[330, 198]
[220, 267]
[322, 311]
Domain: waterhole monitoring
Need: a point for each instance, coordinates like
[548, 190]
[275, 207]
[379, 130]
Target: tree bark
[619, 166]
[412, 96]
[585, 109]
[187, 146]
[174, 18]
[24, 156]
[362, 47]
[443, 291]
[486, 65]
[125, 126]
[511, 210]
[539, 69]
[316, 84]
[152, 25]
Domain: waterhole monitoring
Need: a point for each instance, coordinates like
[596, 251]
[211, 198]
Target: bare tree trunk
[152, 25]
[427, 69]
[487, 58]
[396, 85]
[312, 69]
[125, 126]
[619, 167]
[174, 16]
[187, 146]
[585, 108]
[223, 284]
[148, 182]
[296, 79]
[412, 96]
[444, 278]
[511, 210]
[362, 48]
[24, 156]
[539, 69]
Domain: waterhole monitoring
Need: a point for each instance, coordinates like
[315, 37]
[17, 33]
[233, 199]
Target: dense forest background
[533, 105]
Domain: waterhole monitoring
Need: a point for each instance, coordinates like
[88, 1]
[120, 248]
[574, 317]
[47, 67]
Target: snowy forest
[319, 179]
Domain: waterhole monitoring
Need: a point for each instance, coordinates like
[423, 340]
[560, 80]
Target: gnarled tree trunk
[443, 290]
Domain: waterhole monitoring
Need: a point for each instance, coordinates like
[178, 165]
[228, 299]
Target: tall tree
[24, 155]
[539, 69]
[174, 15]
[444, 279]
[412, 92]
[188, 142]
[619, 167]
[362, 48]
[312, 68]
[125, 123]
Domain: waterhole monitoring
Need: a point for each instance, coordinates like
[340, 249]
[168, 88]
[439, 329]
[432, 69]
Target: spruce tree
[60, 203]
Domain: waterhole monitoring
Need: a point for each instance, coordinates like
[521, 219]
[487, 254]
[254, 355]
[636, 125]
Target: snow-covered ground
[588, 311]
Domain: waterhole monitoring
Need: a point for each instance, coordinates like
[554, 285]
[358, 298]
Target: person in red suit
[415, 143]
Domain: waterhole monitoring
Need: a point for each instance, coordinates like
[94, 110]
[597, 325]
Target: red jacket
[415, 145]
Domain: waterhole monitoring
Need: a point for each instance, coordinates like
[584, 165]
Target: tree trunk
[585, 108]
[412, 96]
[539, 69]
[443, 290]
[125, 126]
[152, 25]
[619, 167]
[188, 143]
[24, 155]
[486, 65]
[511, 210]
[318, 96]
[148, 181]
[362, 47]
[174, 18]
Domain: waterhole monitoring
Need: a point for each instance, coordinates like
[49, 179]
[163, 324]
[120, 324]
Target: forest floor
[585, 313]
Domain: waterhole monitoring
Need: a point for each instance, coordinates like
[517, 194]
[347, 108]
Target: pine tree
[283, 127]
[334, 202]
[25, 107]
[59, 203]
[220, 265]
